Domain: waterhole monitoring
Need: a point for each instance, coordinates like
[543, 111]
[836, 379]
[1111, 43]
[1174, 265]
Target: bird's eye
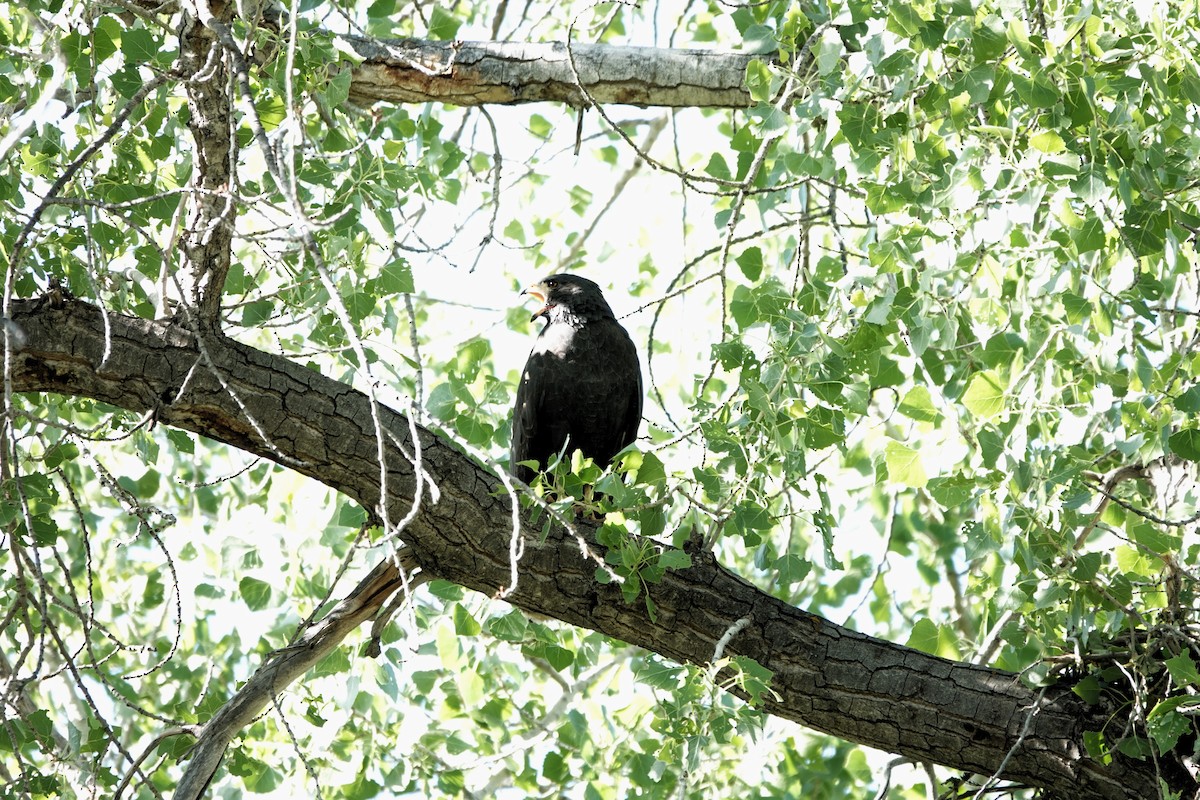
[552, 284]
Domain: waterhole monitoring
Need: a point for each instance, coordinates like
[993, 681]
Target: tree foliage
[919, 325]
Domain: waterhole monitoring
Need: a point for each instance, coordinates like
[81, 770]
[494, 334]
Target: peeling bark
[478, 73]
[827, 677]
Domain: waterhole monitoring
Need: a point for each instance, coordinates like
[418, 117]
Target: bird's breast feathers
[556, 339]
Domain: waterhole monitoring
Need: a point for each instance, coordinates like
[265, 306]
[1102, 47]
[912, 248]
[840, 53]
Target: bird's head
[568, 297]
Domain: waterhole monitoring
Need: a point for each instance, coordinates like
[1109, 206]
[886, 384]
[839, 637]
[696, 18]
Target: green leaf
[1145, 229]
[754, 679]
[1097, 747]
[337, 662]
[1155, 539]
[1047, 142]
[904, 20]
[717, 167]
[1135, 747]
[748, 519]
[464, 623]
[988, 39]
[646, 468]
[1186, 444]
[445, 590]
[1078, 309]
[443, 26]
[154, 592]
[515, 230]
[474, 430]
[985, 395]
[182, 441]
[674, 559]
[1166, 724]
[953, 491]
[271, 111]
[470, 686]
[471, 357]
[1135, 564]
[396, 278]
[751, 262]
[904, 465]
[651, 608]
[860, 125]
[991, 446]
[555, 769]
[759, 39]
[1189, 402]
[512, 627]
[559, 657]
[918, 404]
[350, 515]
[138, 45]
[441, 403]
[1183, 670]
[105, 37]
[337, 89]
[1089, 689]
[426, 680]
[924, 636]
[381, 9]
[1087, 566]
[758, 83]
[792, 568]
[255, 594]
[1003, 350]
[59, 453]
[256, 312]
[209, 591]
[828, 51]
[938, 640]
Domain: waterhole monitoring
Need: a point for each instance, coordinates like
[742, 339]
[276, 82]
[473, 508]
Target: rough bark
[477, 73]
[209, 231]
[827, 677]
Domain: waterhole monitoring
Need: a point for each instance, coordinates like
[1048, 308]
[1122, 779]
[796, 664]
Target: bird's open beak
[540, 293]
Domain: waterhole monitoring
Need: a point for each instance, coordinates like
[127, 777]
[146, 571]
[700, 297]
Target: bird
[581, 388]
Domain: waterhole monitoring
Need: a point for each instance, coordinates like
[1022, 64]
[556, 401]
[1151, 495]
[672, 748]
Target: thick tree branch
[477, 73]
[826, 677]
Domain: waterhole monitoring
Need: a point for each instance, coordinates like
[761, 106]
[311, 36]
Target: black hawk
[582, 386]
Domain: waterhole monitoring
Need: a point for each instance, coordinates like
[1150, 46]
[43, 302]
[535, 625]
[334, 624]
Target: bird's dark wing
[607, 404]
[539, 427]
[524, 421]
